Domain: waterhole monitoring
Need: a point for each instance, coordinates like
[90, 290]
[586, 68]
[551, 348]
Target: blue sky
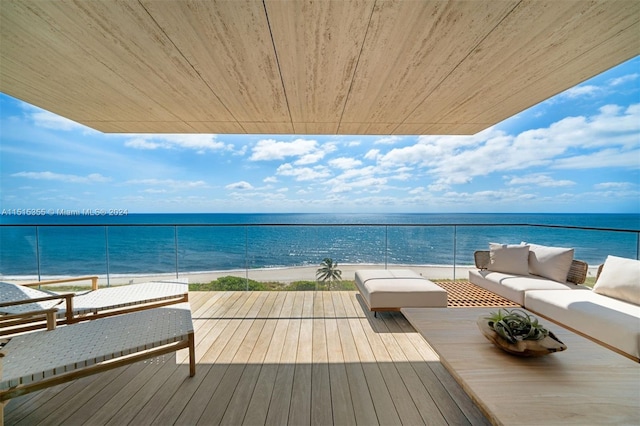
[576, 152]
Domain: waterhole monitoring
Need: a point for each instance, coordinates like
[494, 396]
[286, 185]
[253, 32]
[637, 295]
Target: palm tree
[328, 271]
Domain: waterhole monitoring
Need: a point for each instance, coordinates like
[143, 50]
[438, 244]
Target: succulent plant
[515, 325]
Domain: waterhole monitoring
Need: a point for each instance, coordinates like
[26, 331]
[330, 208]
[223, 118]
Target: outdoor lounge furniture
[393, 289]
[97, 303]
[609, 314]
[36, 360]
[513, 285]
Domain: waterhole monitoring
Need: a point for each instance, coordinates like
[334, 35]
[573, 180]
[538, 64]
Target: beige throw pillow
[510, 259]
[620, 278]
[550, 262]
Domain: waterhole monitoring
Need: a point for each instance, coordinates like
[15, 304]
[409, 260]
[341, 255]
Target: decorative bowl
[544, 343]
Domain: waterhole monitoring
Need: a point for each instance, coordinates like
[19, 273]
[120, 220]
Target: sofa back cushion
[510, 259]
[620, 278]
[550, 262]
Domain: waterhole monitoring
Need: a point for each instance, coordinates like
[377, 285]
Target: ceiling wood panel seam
[355, 68]
[437, 86]
[204, 81]
[275, 52]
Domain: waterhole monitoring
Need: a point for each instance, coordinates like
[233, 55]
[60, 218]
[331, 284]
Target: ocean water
[140, 244]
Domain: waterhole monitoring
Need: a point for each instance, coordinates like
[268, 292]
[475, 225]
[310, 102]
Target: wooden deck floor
[297, 358]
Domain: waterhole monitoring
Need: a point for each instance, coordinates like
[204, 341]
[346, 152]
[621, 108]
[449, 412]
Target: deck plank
[258, 408]
[208, 317]
[363, 407]
[237, 407]
[294, 358]
[343, 410]
[218, 357]
[380, 394]
[300, 408]
[279, 405]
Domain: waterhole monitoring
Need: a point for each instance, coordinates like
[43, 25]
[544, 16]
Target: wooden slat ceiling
[305, 67]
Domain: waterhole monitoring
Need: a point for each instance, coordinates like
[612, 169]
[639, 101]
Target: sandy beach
[283, 275]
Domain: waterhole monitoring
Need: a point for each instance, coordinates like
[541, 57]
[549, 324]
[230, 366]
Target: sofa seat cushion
[392, 289]
[611, 321]
[513, 287]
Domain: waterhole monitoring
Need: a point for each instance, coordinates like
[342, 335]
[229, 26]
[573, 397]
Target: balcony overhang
[324, 67]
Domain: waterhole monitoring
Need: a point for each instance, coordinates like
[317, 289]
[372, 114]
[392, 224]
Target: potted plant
[519, 333]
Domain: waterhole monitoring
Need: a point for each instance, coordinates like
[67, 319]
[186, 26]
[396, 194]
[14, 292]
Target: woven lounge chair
[37, 360]
[97, 303]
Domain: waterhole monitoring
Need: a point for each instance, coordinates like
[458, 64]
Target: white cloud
[142, 143]
[538, 179]
[624, 79]
[169, 183]
[608, 138]
[580, 91]
[197, 142]
[613, 185]
[387, 140]
[605, 158]
[372, 154]
[310, 158]
[242, 185]
[303, 173]
[270, 179]
[49, 120]
[345, 163]
[308, 151]
[439, 187]
[91, 178]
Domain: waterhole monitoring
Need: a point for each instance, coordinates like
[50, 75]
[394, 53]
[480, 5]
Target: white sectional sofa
[509, 274]
[609, 314]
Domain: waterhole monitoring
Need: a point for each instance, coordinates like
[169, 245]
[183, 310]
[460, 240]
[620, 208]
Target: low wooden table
[586, 384]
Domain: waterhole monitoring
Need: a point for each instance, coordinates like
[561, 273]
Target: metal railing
[112, 250]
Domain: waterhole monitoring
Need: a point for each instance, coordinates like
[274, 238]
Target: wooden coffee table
[586, 384]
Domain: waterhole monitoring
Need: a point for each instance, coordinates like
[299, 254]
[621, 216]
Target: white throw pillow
[550, 262]
[510, 259]
[620, 278]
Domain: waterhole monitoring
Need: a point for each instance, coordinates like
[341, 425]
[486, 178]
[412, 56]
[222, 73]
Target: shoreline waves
[284, 275]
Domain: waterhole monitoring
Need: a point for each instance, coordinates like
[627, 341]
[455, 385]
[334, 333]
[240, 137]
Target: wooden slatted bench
[34, 361]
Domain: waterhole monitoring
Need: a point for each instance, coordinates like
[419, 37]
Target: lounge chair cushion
[611, 321]
[550, 262]
[620, 278]
[510, 259]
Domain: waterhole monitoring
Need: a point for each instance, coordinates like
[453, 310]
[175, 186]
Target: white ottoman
[392, 289]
